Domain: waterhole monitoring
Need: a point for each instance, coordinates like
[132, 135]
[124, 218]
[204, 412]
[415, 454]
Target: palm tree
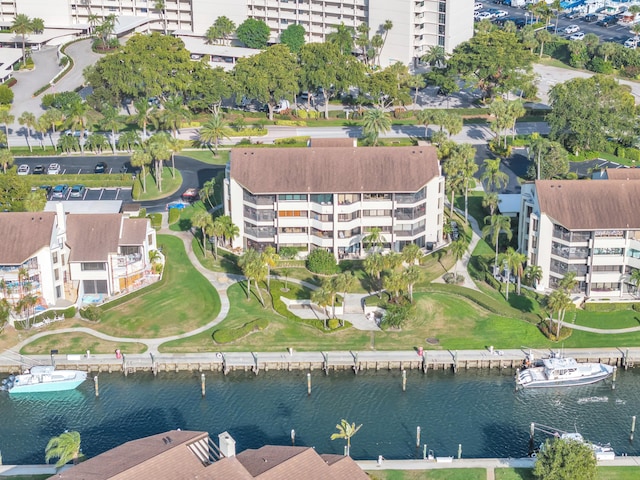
[395, 282]
[412, 274]
[111, 121]
[6, 160]
[6, 118]
[64, 447]
[425, 117]
[374, 265]
[53, 117]
[255, 269]
[543, 36]
[322, 298]
[343, 38]
[452, 123]
[160, 5]
[207, 191]
[23, 26]
[416, 82]
[533, 274]
[464, 155]
[202, 220]
[77, 119]
[495, 225]
[411, 253]
[140, 159]
[145, 114]
[344, 282]
[128, 140]
[174, 114]
[213, 130]
[217, 231]
[346, 430]
[435, 56]
[328, 284]
[635, 278]
[159, 149]
[559, 302]
[374, 238]
[41, 128]
[270, 258]
[513, 263]
[490, 201]
[374, 122]
[231, 230]
[492, 175]
[458, 249]
[28, 120]
[609, 48]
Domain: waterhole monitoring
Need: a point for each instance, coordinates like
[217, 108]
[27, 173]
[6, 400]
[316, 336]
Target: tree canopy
[293, 37]
[587, 111]
[494, 62]
[253, 33]
[562, 459]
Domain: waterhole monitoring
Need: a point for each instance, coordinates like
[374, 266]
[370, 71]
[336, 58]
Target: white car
[23, 170]
[577, 36]
[500, 14]
[571, 29]
[477, 6]
[54, 169]
[631, 42]
[484, 16]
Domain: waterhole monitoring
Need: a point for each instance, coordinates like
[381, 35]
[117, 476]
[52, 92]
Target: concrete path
[605, 331]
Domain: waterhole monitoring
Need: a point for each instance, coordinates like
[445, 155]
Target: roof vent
[264, 460]
[164, 439]
[169, 440]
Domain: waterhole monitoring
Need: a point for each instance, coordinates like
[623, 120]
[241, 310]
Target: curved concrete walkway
[605, 331]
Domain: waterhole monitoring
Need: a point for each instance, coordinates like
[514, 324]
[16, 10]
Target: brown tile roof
[623, 173]
[146, 458]
[331, 170]
[23, 234]
[92, 237]
[273, 462]
[134, 231]
[226, 469]
[333, 142]
[590, 205]
[344, 468]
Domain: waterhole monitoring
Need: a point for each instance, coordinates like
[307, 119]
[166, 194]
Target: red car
[191, 195]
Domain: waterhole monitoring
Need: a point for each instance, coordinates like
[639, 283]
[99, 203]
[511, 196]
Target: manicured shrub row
[228, 335]
[610, 307]
[88, 180]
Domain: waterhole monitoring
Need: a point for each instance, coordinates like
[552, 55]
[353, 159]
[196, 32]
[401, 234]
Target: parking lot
[115, 193]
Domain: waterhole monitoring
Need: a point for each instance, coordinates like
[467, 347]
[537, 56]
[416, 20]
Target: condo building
[590, 228]
[332, 197]
[417, 24]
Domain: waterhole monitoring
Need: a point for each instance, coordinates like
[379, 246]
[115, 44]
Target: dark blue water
[478, 409]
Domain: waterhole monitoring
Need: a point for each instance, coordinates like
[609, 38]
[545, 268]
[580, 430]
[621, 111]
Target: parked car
[191, 195]
[571, 29]
[38, 170]
[101, 167]
[500, 14]
[484, 16]
[54, 169]
[178, 205]
[77, 191]
[477, 6]
[577, 36]
[60, 191]
[608, 21]
[572, 15]
[592, 17]
[631, 42]
[46, 188]
[76, 133]
[23, 169]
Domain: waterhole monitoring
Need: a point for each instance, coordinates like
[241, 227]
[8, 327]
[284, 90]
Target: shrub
[92, 312]
[11, 82]
[6, 95]
[156, 268]
[142, 213]
[174, 215]
[397, 314]
[228, 335]
[610, 307]
[323, 262]
[136, 191]
[291, 123]
[290, 140]
[333, 323]
[69, 312]
[549, 331]
[288, 253]
[452, 278]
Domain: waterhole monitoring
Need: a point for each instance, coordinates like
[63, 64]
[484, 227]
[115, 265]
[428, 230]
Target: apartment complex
[590, 228]
[55, 256]
[417, 24]
[332, 197]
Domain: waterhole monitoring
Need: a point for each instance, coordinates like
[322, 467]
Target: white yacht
[557, 371]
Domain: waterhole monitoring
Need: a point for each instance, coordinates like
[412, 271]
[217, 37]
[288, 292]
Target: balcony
[570, 253]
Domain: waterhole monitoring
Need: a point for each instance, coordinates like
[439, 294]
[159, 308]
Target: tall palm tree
[254, 268]
[53, 117]
[23, 26]
[37, 24]
[140, 159]
[217, 231]
[394, 282]
[533, 274]
[346, 430]
[452, 123]
[175, 146]
[202, 220]
[492, 175]
[465, 158]
[512, 261]
[231, 230]
[416, 82]
[558, 301]
[412, 274]
[328, 284]
[213, 130]
[64, 447]
[374, 265]
[543, 36]
[28, 120]
[112, 122]
[411, 253]
[344, 282]
[322, 298]
[490, 201]
[458, 249]
[635, 278]
[6, 118]
[207, 191]
[270, 258]
[145, 114]
[159, 149]
[343, 38]
[174, 114]
[494, 226]
[374, 122]
[161, 6]
[77, 119]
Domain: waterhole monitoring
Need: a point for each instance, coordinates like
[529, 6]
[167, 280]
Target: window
[56, 274]
[349, 233]
[55, 257]
[293, 230]
[95, 286]
[376, 213]
[347, 217]
[605, 287]
[348, 198]
[607, 268]
[324, 198]
[441, 41]
[608, 251]
[610, 233]
[58, 292]
[129, 250]
[292, 213]
[442, 7]
[442, 19]
[377, 196]
[410, 213]
[322, 217]
[258, 199]
[292, 197]
[62, 257]
[633, 253]
[89, 266]
[259, 215]
[150, 239]
[322, 233]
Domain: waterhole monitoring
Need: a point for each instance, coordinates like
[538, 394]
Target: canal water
[478, 409]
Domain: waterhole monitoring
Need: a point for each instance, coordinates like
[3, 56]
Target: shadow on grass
[521, 303]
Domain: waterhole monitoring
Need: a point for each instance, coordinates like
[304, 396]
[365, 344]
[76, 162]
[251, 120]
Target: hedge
[228, 335]
[92, 313]
[90, 180]
[610, 307]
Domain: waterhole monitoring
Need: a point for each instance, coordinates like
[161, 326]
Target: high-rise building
[417, 24]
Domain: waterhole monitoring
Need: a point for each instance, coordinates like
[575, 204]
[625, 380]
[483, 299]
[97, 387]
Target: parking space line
[101, 192]
[117, 193]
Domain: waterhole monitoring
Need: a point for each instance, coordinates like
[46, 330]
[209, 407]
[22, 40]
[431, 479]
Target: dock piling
[97, 388]
[404, 380]
[308, 384]
[455, 362]
[459, 451]
[293, 437]
[418, 436]
[203, 385]
[613, 380]
[325, 365]
[633, 428]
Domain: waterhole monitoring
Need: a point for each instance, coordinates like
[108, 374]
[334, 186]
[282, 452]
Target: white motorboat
[601, 452]
[558, 371]
[44, 378]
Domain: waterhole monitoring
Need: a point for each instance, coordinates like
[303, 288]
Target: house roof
[149, 457]
[343, 468]
[23, 234]
[338, 169]
[333, 142]
[91, 238]
[133, 231]
[590, 205]
[623, 173]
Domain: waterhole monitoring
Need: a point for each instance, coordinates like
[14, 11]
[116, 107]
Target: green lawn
[618, 319]
[181, 302]
[207, 156]
[184, 223]
[439, 474]
[169, 185]
[78, 343]
[618, 473]
[514, 474]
